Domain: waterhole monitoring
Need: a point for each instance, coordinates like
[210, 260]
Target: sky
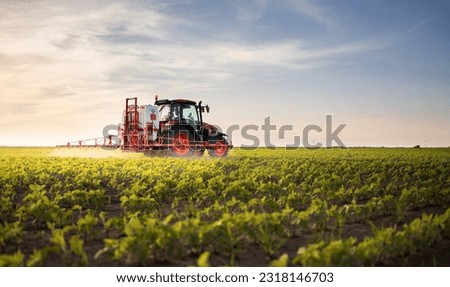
[382, 68]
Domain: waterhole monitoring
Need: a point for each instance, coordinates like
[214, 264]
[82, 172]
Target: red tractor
[175, 126]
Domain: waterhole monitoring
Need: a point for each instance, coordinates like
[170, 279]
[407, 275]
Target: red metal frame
[138, 139]
[131, 126]
[97, 142]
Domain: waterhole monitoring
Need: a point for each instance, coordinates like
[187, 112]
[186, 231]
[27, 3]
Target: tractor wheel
[181, 144]
[219, 148]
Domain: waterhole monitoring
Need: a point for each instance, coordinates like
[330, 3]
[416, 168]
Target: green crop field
[327, 207]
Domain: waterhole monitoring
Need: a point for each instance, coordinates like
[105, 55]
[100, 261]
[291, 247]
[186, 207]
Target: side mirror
[202, 108]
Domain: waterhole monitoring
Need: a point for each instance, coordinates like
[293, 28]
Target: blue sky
[381, 67]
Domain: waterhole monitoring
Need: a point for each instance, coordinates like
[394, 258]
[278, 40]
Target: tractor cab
[180, 114]
[181, 111]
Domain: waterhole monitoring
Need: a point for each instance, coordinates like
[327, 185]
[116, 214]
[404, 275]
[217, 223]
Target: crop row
[151, 211]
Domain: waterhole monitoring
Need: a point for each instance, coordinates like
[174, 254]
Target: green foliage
[37, 258]
[11, 260]
[39, 208]
[202, 260]
[6, 204]
[150, 211]
[283, 261]
[385, 244]
[86, 224]
[10, 232]
[77, 247]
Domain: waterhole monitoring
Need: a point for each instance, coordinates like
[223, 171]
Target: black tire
[219, 147]
[179, 143]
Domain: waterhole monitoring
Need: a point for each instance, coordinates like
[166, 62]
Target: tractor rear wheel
[181, 141]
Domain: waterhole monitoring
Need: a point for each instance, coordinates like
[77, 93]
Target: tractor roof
[166, 102]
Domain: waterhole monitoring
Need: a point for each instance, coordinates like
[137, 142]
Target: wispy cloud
[77, 47]
[316, 12]
[60, 59]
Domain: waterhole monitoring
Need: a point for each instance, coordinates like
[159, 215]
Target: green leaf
[202, 260]
[11, 260]
[283, 261]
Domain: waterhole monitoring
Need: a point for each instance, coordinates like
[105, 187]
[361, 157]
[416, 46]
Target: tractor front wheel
[219, 148]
